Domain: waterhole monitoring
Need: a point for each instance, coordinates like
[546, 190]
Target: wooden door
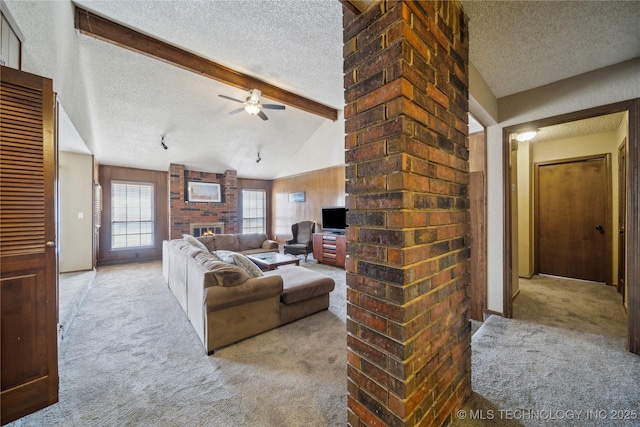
[622, 215]
[28, 259]
[478, 223]
[572, 205]
[477, 209]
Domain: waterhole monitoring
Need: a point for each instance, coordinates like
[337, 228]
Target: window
[132, 215]
[253, 211]
[11, 39]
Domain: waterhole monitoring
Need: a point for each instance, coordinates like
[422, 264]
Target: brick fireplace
[184, 215]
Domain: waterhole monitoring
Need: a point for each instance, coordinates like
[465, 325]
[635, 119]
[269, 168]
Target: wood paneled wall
[159, 179]
[324, 187]
[477, 152]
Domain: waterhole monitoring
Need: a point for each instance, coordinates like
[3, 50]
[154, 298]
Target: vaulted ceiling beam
[358, 6]
[103, 29]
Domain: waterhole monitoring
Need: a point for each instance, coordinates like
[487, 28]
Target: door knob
[600, 229]
[50, 244]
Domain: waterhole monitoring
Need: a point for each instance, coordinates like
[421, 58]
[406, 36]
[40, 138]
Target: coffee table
[272, 260]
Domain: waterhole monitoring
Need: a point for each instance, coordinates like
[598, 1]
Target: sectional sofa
[230, 301]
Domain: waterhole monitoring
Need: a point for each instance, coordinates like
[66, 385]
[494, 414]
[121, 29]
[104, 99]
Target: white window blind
[132, 215]
[253, 211]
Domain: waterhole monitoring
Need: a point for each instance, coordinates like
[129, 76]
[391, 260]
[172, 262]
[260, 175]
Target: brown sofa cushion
[226, 242]
[218, 297]
[301, 283]
[251, 241]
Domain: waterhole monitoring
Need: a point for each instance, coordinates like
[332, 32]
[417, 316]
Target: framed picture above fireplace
[198, 191]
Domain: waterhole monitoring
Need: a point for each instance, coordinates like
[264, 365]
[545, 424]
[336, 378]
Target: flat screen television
[334, 219]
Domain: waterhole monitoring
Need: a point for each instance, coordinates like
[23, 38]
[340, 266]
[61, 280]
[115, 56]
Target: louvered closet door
[28, 259]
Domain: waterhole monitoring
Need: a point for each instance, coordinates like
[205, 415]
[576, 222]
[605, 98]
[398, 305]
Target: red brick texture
[406, 91]
[183, 213]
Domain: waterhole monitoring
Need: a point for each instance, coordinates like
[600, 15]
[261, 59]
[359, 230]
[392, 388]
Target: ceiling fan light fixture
[252, 109]
[526, 135]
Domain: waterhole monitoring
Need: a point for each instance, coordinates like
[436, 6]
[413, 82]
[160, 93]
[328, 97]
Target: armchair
[302, 242]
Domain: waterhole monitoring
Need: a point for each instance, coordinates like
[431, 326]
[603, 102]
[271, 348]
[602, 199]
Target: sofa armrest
[258, 288]
[269, 244]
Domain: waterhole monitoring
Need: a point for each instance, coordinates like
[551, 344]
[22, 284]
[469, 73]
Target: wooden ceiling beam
[103, 29]
[358, 6]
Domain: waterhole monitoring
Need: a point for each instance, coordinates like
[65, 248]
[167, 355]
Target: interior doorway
[520, 253]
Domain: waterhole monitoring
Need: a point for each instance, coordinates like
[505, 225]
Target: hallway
[571, 304]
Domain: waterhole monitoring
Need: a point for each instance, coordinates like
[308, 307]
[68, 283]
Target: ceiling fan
[253, 106]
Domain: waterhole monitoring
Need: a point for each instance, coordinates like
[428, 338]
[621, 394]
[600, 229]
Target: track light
[162, 144]
[259, 158]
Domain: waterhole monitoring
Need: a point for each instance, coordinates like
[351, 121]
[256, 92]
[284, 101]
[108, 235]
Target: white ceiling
[121, 102]
[521, 45]
[591, 126]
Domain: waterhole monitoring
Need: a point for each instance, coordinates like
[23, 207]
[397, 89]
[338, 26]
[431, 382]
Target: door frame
[608, 250]
[622, 213]
[633, 206]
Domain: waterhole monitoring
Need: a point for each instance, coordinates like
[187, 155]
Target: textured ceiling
[520, 45]
[591, 126]
[121, 102]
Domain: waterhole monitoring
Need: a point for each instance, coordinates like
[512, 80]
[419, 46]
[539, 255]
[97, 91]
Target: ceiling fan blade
[273, 107]
[237, 111]
[263, 116]
[230, 98]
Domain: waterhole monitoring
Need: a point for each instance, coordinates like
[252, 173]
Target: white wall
[324, 149]
[76, 199]
[606, 86]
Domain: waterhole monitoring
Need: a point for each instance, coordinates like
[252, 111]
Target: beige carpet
[131, 358]
[571, 304]
[562, 361]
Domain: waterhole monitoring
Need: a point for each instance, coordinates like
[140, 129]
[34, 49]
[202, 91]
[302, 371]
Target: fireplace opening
[199, 230]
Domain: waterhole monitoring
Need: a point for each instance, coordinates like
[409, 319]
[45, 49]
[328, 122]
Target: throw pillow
[247, 264]
[195, 242]
[230, 275]
[215, 257]
[208, 241]
[225, 256]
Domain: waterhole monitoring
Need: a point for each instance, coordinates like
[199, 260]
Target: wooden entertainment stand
[330, 248]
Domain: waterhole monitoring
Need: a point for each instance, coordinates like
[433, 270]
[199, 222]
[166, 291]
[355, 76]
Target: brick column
[409, 359]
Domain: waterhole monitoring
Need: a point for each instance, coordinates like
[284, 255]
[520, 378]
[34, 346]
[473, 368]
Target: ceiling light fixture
[252, 109]
[259, 158]
[162, 144]
[526, 135]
